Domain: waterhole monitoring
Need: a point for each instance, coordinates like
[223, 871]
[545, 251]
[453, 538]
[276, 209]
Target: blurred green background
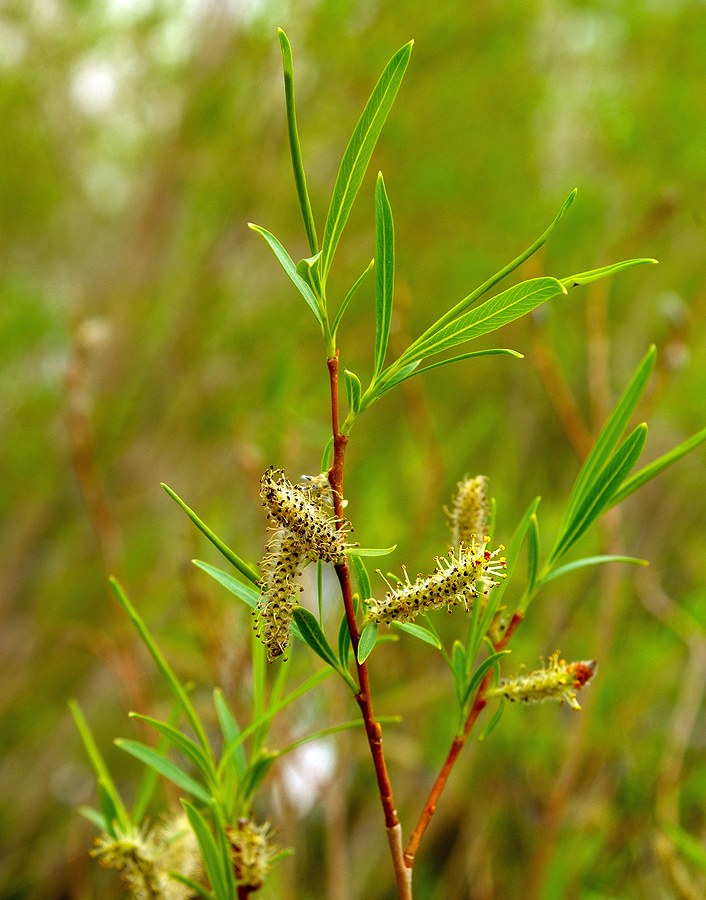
[146, 335]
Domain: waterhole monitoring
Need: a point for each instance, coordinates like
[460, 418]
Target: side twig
[454, 751]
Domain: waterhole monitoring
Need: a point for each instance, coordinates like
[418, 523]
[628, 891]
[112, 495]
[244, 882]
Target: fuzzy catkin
[281, 568]
[557, 680]
[300, 509]
[470, 511]
[252, 852]
[468, 572]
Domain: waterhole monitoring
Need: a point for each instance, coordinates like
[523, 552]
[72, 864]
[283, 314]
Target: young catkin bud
[467, 573]
[470, 511]
[252, 852]
[300, 509]
[281, 568]
[144, 858]
[556, 680]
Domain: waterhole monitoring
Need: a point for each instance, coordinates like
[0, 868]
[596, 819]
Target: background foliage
[147, 335]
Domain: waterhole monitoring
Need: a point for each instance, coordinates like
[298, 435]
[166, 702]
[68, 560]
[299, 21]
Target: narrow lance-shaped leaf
[287, 263]
[600, 496]
[605, 271]
[384, 272]
[219, 875]
[353, 391]
[189, 749]
[294, 144]
[165, 767]
[658, 465]
[500, 310]
[358, 152]
[609, 436]
[349, 296]
[469, 300]
[250, 573]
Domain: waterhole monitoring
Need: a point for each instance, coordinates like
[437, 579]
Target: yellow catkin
[557, 680]
[470, 511]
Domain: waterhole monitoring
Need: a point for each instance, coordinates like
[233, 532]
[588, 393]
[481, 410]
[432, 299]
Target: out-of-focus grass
[147, 336]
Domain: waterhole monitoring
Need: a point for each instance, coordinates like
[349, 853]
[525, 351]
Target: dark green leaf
[481, 671]
[294, 144]
[602, 491]
[344, 642]
[609, 436]
[659, 465]
[361, 576]
[458, 667]
[312, 635]
[255, 775]
[353, 390]
[533, 544]
[368, 639]
[358, 152]
[384, 272]
[497, 715]
[217, 869]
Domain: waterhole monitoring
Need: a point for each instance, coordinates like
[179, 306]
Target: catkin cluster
[252, 852]
[470, 511]
[303, 530]
[466, 574]
[556, 680]
[145, 857]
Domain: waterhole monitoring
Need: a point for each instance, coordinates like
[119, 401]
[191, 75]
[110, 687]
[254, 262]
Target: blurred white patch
[94, 86]
[306, 773]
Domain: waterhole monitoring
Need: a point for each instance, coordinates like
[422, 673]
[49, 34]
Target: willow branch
[457, 745]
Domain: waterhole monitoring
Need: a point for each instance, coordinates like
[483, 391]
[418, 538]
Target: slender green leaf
[533, 544]
[659, 465]
[384, 272]
[357, 552]
[294, 144]
[468, 301]
[216, 868]
[181, 742]
[110, 813]
[481, 671]
[99, 765]
[495, 313]
[353, 390]
[368, 639]
[603, 488]
[271, 711]
[596, 274]
[335, 729]
[406, 374]
[255, 775]
[591, 561]
[287, 263]
[495, 718]
[164, 766]
[245, 592]
[361, 576]
[458, 668]
[165, 669]
[250, 573]
[418, 631]
[226, 719]
[344, 642]
[313, 635]
[197, 889]
[609, 436]
[95, 818]
[512, 553]
[358, 152]
[349, 296]
[150, 778]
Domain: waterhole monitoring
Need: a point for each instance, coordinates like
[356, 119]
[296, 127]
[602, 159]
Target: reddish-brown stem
[373, 729]
[456, 747]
